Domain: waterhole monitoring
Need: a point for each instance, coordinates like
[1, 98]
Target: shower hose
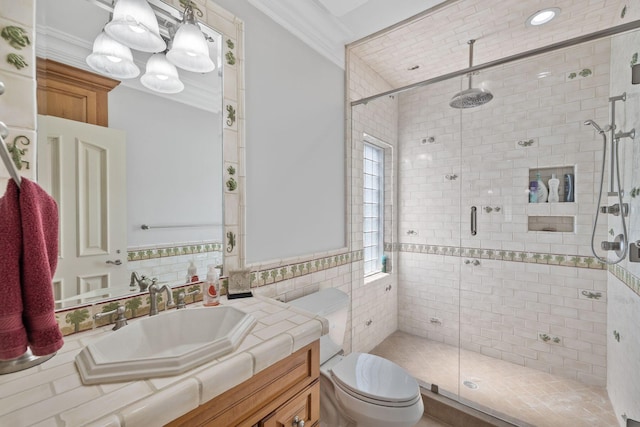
[595, 222]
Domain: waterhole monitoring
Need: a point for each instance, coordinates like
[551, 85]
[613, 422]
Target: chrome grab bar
[474, 220]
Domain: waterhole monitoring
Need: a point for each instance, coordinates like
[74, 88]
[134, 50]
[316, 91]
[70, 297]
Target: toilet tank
[333, 305]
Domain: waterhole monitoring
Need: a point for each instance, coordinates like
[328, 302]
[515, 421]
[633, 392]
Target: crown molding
[311, 23]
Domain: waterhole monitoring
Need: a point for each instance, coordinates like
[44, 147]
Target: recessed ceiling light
[543, 16]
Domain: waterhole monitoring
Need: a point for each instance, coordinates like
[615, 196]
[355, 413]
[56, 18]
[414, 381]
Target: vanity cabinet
[303, 407]
[271, 398]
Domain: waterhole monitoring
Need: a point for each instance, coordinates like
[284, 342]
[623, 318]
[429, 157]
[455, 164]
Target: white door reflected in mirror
[83, 167]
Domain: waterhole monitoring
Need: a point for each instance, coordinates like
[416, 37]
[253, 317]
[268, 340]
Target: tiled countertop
[52, 394]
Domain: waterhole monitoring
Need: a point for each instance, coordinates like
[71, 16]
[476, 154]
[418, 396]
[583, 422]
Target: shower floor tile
[532, 397]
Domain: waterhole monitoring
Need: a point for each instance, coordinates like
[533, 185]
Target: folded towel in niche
[13, 336]
[39, 218]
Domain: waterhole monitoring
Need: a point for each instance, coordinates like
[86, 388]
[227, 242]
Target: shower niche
[552, 224]
[555, 217]
[566, 177]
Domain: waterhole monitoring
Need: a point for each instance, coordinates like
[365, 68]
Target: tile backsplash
[169, 263]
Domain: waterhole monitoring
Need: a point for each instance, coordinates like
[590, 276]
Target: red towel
[39, 213]
[13, 337]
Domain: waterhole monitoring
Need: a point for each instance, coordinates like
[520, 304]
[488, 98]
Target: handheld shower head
[595, 125]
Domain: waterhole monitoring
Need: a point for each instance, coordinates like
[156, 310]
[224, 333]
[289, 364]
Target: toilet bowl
[358, 389]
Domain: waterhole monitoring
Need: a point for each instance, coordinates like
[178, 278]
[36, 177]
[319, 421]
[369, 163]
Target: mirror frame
[18, 110]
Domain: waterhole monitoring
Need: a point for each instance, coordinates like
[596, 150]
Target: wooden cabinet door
[305, 406]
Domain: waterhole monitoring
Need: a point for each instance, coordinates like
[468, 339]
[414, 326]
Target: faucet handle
[181, 297]
[121, 320]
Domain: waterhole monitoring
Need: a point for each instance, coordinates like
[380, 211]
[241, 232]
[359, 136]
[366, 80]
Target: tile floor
[526, 396]
[430, 422]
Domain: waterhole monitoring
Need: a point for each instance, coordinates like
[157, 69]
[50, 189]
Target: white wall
[174, 167]
[295, 143]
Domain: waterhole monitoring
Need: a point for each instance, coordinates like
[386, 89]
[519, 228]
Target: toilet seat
[375, 380]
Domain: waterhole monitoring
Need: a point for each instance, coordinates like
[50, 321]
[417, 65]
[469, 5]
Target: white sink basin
[166, 344]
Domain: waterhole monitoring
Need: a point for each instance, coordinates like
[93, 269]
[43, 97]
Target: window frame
[378, 207]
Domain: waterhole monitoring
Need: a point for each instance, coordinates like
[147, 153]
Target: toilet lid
[375, 378]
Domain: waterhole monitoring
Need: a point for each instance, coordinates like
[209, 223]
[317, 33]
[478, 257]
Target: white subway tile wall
[374, 313]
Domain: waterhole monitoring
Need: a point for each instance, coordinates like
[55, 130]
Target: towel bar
[149, 227]
[6, 157]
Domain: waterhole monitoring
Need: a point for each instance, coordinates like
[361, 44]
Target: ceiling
[436, 39]
[328, 25]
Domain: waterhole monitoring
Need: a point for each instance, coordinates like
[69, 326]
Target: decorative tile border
[500, 255]
[80, 318]
[626, 277]
[291, 271]
[175, 250]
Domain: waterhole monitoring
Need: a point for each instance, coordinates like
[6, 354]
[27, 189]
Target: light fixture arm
[470, 43]
[188, 16]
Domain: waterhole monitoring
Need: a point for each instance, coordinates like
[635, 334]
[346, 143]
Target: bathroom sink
[168, 344]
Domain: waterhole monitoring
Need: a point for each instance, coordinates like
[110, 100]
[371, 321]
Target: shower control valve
[615, 209]
[610, 246]
[618, 245]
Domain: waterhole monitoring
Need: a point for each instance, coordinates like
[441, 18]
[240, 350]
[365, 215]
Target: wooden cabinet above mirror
[72, 93]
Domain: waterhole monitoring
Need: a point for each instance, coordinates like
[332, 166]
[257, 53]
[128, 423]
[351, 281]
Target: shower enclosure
[501, 302]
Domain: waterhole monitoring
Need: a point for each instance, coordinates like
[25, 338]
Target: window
[373, 208]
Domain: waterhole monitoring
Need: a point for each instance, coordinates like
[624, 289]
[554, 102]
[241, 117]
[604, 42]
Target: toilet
[359, 389]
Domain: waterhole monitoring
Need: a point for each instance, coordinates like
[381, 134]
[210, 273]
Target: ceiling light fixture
[134, 24]
[189, 49]
[543, 16]
[161, 75]
[112, 58]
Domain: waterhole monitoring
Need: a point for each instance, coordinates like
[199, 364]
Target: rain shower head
[471, 97]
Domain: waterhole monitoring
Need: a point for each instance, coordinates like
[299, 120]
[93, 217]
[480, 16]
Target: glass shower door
[530, 341]
[430, 220]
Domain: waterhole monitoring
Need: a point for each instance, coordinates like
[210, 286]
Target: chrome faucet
[154, 290]
[143, 281]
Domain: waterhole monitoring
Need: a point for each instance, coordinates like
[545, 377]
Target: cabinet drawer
[305, 406]
[248, 403]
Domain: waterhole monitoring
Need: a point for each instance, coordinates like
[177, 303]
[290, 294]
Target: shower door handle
[474, 220]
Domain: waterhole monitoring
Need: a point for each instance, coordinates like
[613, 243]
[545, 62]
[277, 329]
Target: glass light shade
[134, 24]
[112, 58]
[161, 75]
[189, 50]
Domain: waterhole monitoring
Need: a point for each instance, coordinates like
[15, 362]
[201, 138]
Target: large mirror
[143, 195]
